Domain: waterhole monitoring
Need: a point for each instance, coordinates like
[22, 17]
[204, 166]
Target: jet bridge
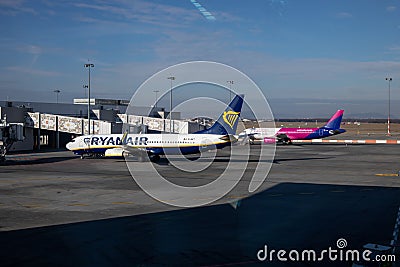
[9, 133]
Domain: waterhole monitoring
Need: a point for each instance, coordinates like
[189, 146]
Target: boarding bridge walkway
[79, 126]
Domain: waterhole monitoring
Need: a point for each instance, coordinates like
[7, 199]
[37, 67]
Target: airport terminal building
[53, 125]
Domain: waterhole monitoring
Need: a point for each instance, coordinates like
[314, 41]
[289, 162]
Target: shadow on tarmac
[277, 161]
[287, 216]
[164, 161]
[32, 160]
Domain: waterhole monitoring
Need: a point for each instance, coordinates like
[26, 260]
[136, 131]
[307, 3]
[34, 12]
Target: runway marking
[123, 203]
[335, 141]
[31, 206]
[306, 193]
[338, 191]
[387, 174]
[78, 204]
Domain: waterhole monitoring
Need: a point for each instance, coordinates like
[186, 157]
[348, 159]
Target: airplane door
[321, 132]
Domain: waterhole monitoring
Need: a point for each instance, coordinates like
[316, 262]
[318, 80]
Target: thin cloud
[395, 48]
[30, 49]
[393, 51]
[33, 50]
[145, 12]
[344, 15]
[391, 8]
[14, 7]
[35, 72]
[317, 68]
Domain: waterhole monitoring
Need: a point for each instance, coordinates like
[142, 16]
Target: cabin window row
[170, 142]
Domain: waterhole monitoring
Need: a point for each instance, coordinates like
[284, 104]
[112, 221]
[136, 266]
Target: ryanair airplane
[221, 134]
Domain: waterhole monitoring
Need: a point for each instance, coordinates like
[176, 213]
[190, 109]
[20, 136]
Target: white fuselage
[154, 143]
[260, 133]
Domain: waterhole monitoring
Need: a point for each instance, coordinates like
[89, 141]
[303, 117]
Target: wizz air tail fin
[227, 122]
[334, 122]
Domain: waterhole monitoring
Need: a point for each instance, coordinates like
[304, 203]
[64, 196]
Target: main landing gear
[92, 155]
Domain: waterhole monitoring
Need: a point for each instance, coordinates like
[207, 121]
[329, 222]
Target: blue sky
[291, 49]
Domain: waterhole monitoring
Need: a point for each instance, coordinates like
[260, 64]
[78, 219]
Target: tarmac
[59, 210]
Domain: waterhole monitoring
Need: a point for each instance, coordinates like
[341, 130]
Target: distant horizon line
[283, 108]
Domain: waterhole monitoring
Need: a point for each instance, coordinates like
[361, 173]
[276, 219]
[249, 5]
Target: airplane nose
[68, 146]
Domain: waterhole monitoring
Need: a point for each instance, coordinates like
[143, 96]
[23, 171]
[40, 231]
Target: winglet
[124, 138]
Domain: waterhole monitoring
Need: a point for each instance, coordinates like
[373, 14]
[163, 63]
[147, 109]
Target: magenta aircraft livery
[286, 135]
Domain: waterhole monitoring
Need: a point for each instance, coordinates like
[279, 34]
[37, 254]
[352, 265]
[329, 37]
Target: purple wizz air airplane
[286, 135]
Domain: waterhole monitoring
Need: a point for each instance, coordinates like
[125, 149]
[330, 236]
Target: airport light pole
[172, 78]
[389, 79]
[86, 87]
[230, 90]
[89, 66]
[57, 92]
[156, 91]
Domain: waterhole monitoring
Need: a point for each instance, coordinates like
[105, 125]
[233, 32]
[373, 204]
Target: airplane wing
[132, 150]
[141, 153]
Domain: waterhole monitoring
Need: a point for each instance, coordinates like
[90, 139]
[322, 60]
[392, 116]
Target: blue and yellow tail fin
[227, 122]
